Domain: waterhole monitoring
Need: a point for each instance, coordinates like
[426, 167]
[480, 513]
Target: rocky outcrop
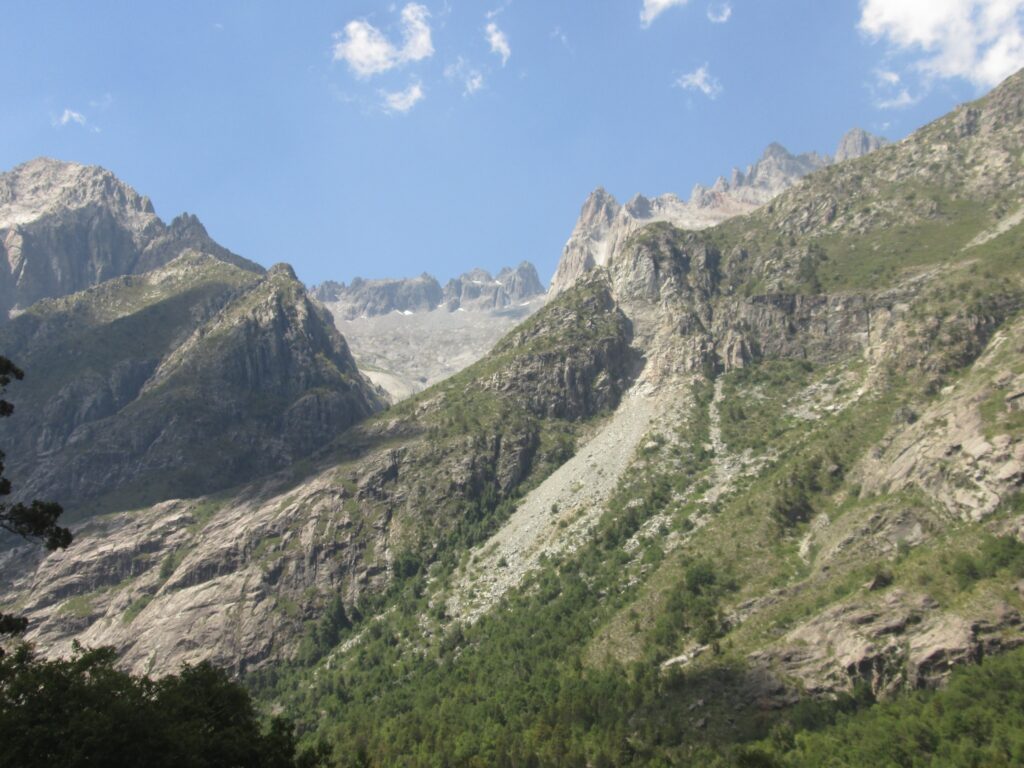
[569, 381]
[856, 143]
[965, 459]
[65, 227]
[190, 377]
[521, 283]
[478, 290]
[896, 640]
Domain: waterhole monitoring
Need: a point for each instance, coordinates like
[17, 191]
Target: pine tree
[35, 521]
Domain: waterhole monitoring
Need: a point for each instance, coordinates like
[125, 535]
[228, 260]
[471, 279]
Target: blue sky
[384, 139]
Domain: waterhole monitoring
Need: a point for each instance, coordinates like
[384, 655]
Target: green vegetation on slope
[83, 711]
[636, 649]
[978, 720]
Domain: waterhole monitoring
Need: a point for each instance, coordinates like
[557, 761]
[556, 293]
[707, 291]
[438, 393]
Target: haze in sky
[379, 139]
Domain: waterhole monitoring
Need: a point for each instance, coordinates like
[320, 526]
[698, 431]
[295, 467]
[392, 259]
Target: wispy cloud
[560, 36]
[102, 103]
[887, 77]
[71, 117]
[901, 100]
[403, 101]
[654, 8]
[981, 41]
[368, 52]
[719, 13]
[700, 80]
[495, 12]
[472, 79]
[498, 42]
[890, 92]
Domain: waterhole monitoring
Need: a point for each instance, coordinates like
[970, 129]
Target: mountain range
[476, 289]
[604, 224]
[755, 462]
[163, 361]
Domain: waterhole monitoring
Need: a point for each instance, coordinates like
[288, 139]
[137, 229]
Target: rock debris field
[558, 514]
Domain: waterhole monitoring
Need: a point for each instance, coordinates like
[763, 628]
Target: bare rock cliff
[65, 227]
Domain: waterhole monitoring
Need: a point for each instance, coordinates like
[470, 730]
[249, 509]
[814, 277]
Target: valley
[752, 464]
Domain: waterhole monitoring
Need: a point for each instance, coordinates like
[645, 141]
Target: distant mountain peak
[856, 143]
[477, 289]
[776, 151]
[604, 225]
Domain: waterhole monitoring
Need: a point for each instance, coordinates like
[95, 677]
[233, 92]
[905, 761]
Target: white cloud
[471, 79]
[70, 116]
[368, 52]
[886, 77]
[403, 101]
[700, 80]
[901, 100]
[720, 13]
[474, 82]
[499, 42]
[979, 40]
[654, 8]
[890, 92]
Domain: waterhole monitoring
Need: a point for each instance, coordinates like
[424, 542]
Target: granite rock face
[856, 143]
[155, 358]
[189, 377]
[65, 227]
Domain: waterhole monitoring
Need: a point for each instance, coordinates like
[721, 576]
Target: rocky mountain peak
[187, 223]
[522, 282]
[478, 275]
[856, 143]
[65, 227]
[600, 208]
[478, 289]
[193, 375]
[45, 186]
[604, 225]
[639, 207]
[777, 152]
[284, 269]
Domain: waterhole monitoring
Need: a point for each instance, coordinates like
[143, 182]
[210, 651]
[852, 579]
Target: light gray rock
[368, 298]
[856, 143]
[604, 225]
[65, 227]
